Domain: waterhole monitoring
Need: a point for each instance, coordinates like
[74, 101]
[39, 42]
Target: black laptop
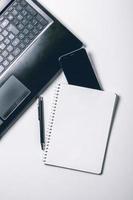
[31, 42]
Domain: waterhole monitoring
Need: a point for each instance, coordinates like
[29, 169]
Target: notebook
[78, 128]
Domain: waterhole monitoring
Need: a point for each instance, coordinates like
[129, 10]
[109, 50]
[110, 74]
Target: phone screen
[78, 70]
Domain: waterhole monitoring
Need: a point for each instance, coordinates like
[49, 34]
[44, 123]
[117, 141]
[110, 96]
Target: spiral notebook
[78, 128]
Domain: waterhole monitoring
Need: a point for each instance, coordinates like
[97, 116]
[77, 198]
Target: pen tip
[43, 146]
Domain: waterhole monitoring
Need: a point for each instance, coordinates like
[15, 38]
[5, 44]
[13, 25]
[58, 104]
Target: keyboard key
[1, 68]
[1, 18]
[4, 23]
[20, 26]
[44, 22]
[34, 22]
[6, 41]
[1, 59]
[10, 58]
[23, 3]
[2, 46]
[10, 8]
[6, 63]
[30, 27]
[41, 20]
[4, 33]
[22, 45]
[15, 42]
[11, 36]
[5, 53]
[31, 10]
[25, 22]
[39, 27]
[16, 52]
[19, 17]
[10, 17]
[14, 12]
[10, 48]
[26, 40]
[24, 12]
[1, 38]
[13, 29]
[18, 7]
[21, 36]
[35, 31]
[31, 36]
[6, 13]
[39, 17]
[16, 22]
[25, 31]
[15, 4]
[29, 17]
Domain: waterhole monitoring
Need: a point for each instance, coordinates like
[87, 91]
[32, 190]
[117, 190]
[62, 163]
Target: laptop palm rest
[12, 94]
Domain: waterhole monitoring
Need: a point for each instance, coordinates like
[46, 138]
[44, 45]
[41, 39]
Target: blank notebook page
[79, 127]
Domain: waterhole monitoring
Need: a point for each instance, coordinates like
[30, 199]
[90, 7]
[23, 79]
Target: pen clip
[40, 107]
[38, 113]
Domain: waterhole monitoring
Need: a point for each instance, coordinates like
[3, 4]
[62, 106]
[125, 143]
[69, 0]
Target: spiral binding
[51, 120]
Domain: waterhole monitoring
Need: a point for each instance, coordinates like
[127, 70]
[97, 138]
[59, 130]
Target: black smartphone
[78, 69]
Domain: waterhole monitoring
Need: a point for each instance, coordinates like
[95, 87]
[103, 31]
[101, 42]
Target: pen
[41, 121]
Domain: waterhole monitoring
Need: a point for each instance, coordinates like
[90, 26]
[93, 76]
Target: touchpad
[12, 94]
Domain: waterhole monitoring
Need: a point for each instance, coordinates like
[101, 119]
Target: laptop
[31, 42]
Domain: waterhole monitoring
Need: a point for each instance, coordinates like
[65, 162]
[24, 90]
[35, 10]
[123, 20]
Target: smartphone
[78, 69]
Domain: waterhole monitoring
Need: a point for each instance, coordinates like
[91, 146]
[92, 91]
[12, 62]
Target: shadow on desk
[117, 103]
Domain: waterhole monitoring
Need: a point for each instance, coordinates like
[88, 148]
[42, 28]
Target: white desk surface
[106, 27]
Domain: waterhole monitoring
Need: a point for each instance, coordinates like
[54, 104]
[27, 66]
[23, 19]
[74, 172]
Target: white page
[81, 128]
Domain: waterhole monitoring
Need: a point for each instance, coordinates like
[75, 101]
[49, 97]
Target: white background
[106, 27]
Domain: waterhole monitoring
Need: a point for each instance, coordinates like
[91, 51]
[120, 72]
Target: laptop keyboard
[20, 24]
